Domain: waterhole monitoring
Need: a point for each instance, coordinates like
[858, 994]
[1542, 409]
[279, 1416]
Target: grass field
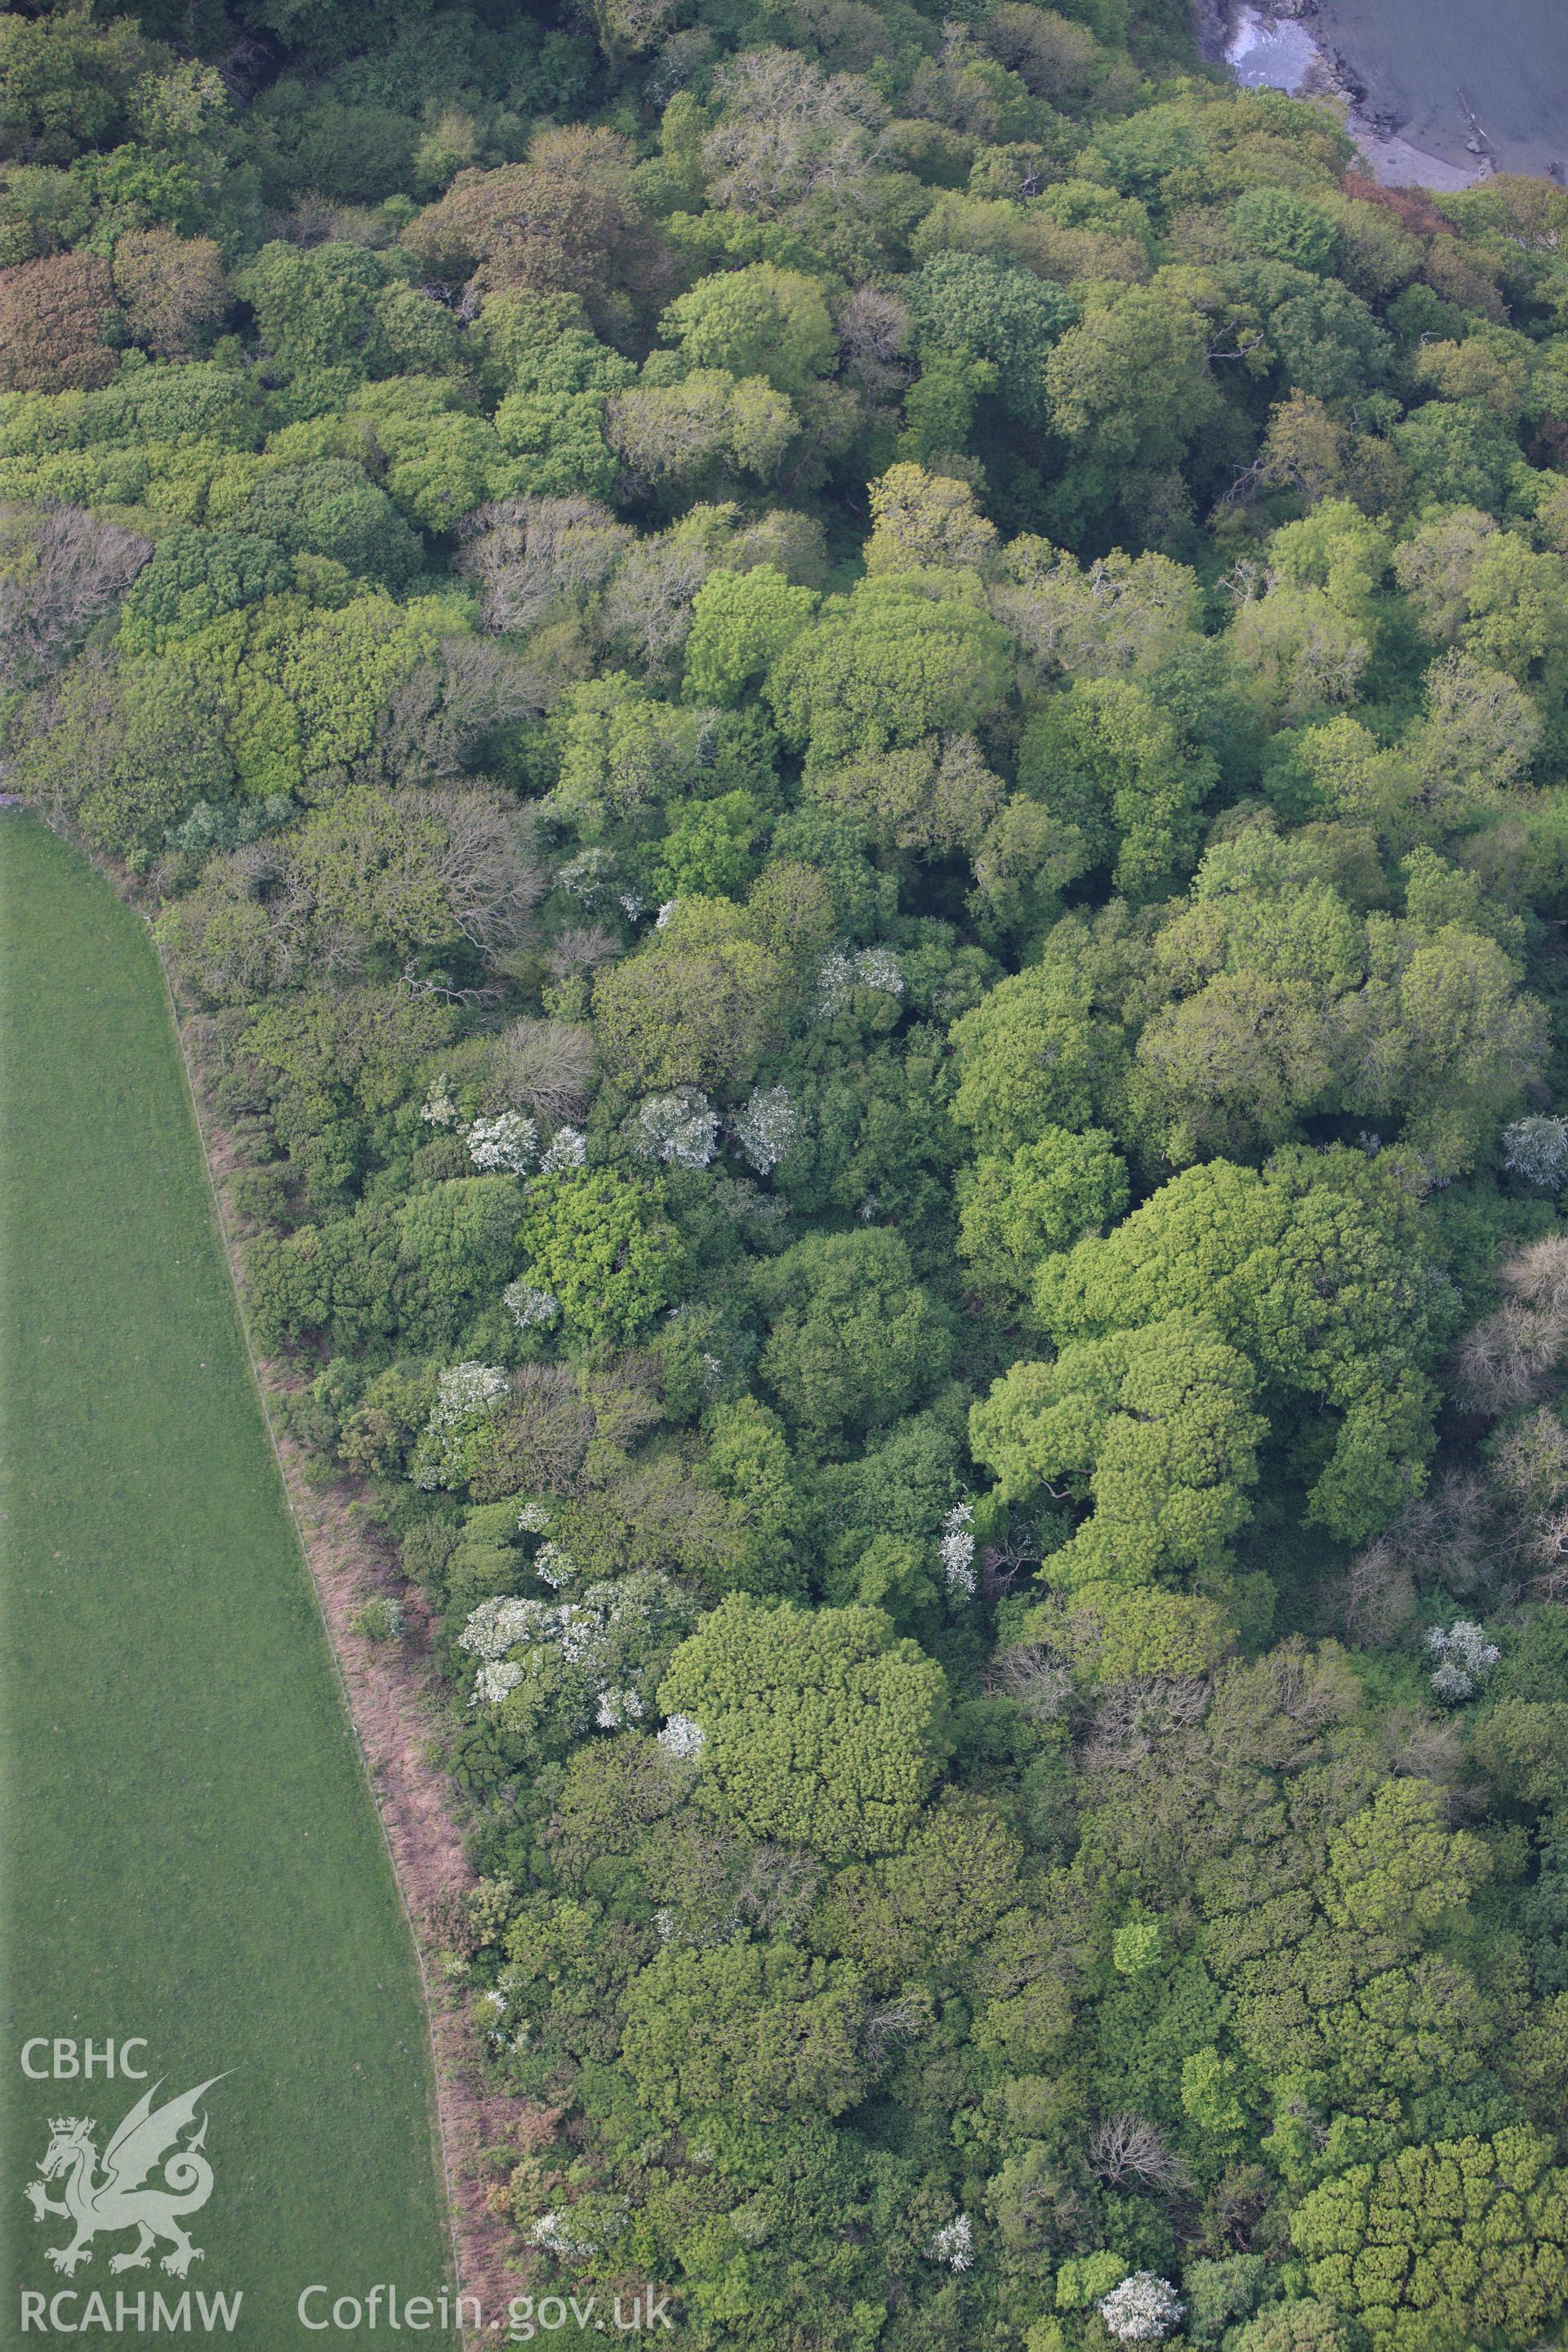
[193, 1854]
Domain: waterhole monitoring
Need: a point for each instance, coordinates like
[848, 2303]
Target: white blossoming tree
[505, 1145]
[841, 973]
[567, 1147]
[955, 1550]
[953, 2243]
[468, 1395]
[1142, 2310]
[553, 1566]
[1465, 1658]
[530, 1307]
[1537, 1149]
[680, 1129]
[767, 1128]
[591, 1659]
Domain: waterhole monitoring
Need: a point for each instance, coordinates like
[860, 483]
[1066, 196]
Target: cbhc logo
[66, 2061]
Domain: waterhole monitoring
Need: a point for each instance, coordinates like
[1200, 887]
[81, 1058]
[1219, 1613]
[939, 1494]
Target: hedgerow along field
[195, 1858]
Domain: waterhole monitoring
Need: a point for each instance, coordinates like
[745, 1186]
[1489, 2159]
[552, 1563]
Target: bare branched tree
[1126, 1720]
[1001, 1565]
[1376, 1594]
[258, 945]
[630, 25]
[1040, 1683]
[895, 2022]
[485, 870]
[59, 569]
[1463, 1510]
[1508, 1358]
[534, 558]
[1503, 1362]
[648, 606]
[874, 336]
[778, 1886]
[543, 1436]
[1529, 1476]
[1446, 1535]
[1125, 2145]
[1423, 1746]
[579, 947]
[432, 722]
[418, 984]
[787, 132]
[1244, 2194]
[1537, 1275]
[546, 1065]
[1299, 1688]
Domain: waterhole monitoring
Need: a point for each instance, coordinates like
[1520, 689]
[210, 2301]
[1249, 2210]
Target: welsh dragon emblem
[147, 2141]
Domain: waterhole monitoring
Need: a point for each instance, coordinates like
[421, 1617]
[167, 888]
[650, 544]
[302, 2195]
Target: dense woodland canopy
[849, 727]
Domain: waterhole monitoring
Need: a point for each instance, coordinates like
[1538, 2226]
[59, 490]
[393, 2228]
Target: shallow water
[1272, 53]
[1414, 57]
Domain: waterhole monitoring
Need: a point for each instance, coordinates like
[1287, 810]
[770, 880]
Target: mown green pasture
[194, 1857]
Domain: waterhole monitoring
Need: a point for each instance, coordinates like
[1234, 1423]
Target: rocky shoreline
[1278, 43]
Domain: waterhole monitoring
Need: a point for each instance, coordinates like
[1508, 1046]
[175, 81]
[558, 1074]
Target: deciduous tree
[818, 1726]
